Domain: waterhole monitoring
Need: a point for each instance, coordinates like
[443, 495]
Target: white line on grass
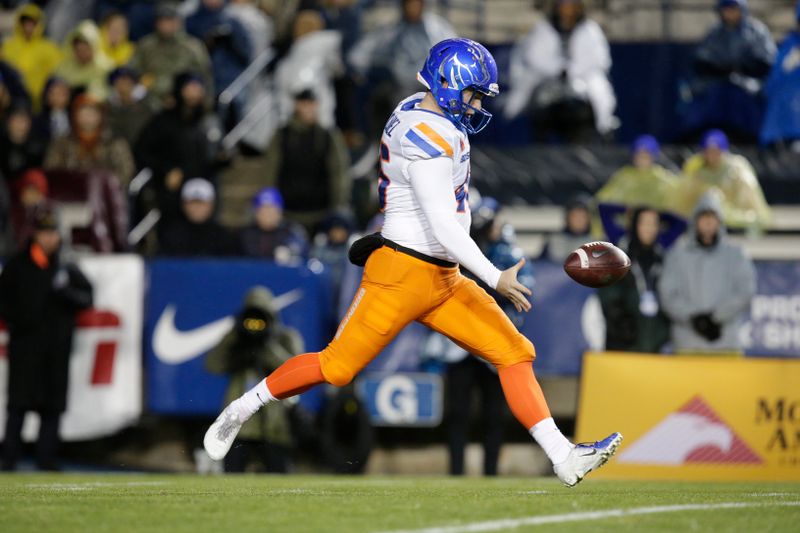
[91, 485]
[513, 523]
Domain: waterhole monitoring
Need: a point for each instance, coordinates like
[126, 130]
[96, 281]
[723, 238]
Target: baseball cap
[45, 219]
[198, 189]
[167, 11]
[122, 72]
[715, 139]
[648, 143]
[305, 94]
[268, 196]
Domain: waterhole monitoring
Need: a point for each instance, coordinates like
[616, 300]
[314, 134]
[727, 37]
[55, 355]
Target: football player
[412, 266]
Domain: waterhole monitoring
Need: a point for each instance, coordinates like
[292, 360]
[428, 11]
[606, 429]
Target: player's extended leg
[396, 288]
[472, 319]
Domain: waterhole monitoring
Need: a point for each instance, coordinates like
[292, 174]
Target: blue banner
[772, 328]
[190, 306]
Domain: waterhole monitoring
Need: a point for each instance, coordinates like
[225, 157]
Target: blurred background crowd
[250, 128]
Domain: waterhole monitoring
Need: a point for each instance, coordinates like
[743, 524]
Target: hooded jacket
[119, 54]
[743, 204]
[582, 57]
[719, 279]
[747, 49]
[227, 40]
[159, 59]
[93, 75]
[248, 360]
[35, 58]
[782, 90]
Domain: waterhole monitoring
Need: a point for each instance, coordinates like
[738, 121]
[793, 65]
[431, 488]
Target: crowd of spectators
[114, 90]
[121, 87]
[102, 97]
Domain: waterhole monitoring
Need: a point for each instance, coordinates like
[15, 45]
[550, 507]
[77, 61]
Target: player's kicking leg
[473, 319]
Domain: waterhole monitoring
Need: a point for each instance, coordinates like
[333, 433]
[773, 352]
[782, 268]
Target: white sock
[549, 437]
[252, 400]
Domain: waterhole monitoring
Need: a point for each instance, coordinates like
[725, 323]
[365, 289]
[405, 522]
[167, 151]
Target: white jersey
[412, 134]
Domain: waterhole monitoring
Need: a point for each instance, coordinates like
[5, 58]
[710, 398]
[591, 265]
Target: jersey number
[383, 181]
[462, 194]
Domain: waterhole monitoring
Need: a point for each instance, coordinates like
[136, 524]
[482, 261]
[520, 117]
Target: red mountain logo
[694, 434]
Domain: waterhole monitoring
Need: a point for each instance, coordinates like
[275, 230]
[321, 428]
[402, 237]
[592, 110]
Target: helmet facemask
[478, 118]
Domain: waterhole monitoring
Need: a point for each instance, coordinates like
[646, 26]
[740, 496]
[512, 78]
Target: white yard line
[513, 523]
[92, 485]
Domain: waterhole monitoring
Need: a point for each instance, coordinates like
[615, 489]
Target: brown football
[597, 264]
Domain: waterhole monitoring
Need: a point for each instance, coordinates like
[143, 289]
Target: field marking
[91, 485]
[513, 523]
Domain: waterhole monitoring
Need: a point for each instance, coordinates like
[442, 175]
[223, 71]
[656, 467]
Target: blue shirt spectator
[730, 65]
[226, 40]
[782, 90]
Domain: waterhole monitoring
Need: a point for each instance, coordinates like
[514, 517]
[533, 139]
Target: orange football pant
[397, 289]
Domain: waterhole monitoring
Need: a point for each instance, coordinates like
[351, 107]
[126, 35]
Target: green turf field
[119, 503]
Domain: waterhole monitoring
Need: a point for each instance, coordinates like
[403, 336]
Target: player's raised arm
[432, 184]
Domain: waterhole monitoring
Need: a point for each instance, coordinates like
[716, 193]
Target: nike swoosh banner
[694, 418]
[191, 305]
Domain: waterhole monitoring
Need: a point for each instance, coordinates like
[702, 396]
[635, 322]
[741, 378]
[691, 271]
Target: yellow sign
[687, 417]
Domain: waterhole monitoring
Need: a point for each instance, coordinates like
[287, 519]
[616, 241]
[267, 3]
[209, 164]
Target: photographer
[257, 345]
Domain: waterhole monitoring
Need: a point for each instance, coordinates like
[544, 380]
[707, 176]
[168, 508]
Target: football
[597, 264]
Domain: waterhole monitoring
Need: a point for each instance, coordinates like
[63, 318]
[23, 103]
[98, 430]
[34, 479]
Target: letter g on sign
[396, 400]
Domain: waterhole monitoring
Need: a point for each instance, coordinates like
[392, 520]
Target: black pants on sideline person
[46, 445]
[462, 378]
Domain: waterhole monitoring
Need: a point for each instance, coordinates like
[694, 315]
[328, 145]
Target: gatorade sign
[402, 399]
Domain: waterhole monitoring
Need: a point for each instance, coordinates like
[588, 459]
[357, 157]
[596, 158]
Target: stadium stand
[651, 46]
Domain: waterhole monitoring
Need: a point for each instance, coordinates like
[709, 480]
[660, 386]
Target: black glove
[706, 326]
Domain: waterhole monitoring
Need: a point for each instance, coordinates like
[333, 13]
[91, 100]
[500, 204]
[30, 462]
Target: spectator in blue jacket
[730, 65]
[227, 42]
[782, 91]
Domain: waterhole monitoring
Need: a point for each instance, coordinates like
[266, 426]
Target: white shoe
[584, 458]
[222, 433]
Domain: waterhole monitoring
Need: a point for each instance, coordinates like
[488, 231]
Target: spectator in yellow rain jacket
[114, 39]
[642, 183]
[743, 203]
[85, 65]
[34, 56]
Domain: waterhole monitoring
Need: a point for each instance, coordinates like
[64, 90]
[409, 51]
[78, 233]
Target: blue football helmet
[463, 64]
